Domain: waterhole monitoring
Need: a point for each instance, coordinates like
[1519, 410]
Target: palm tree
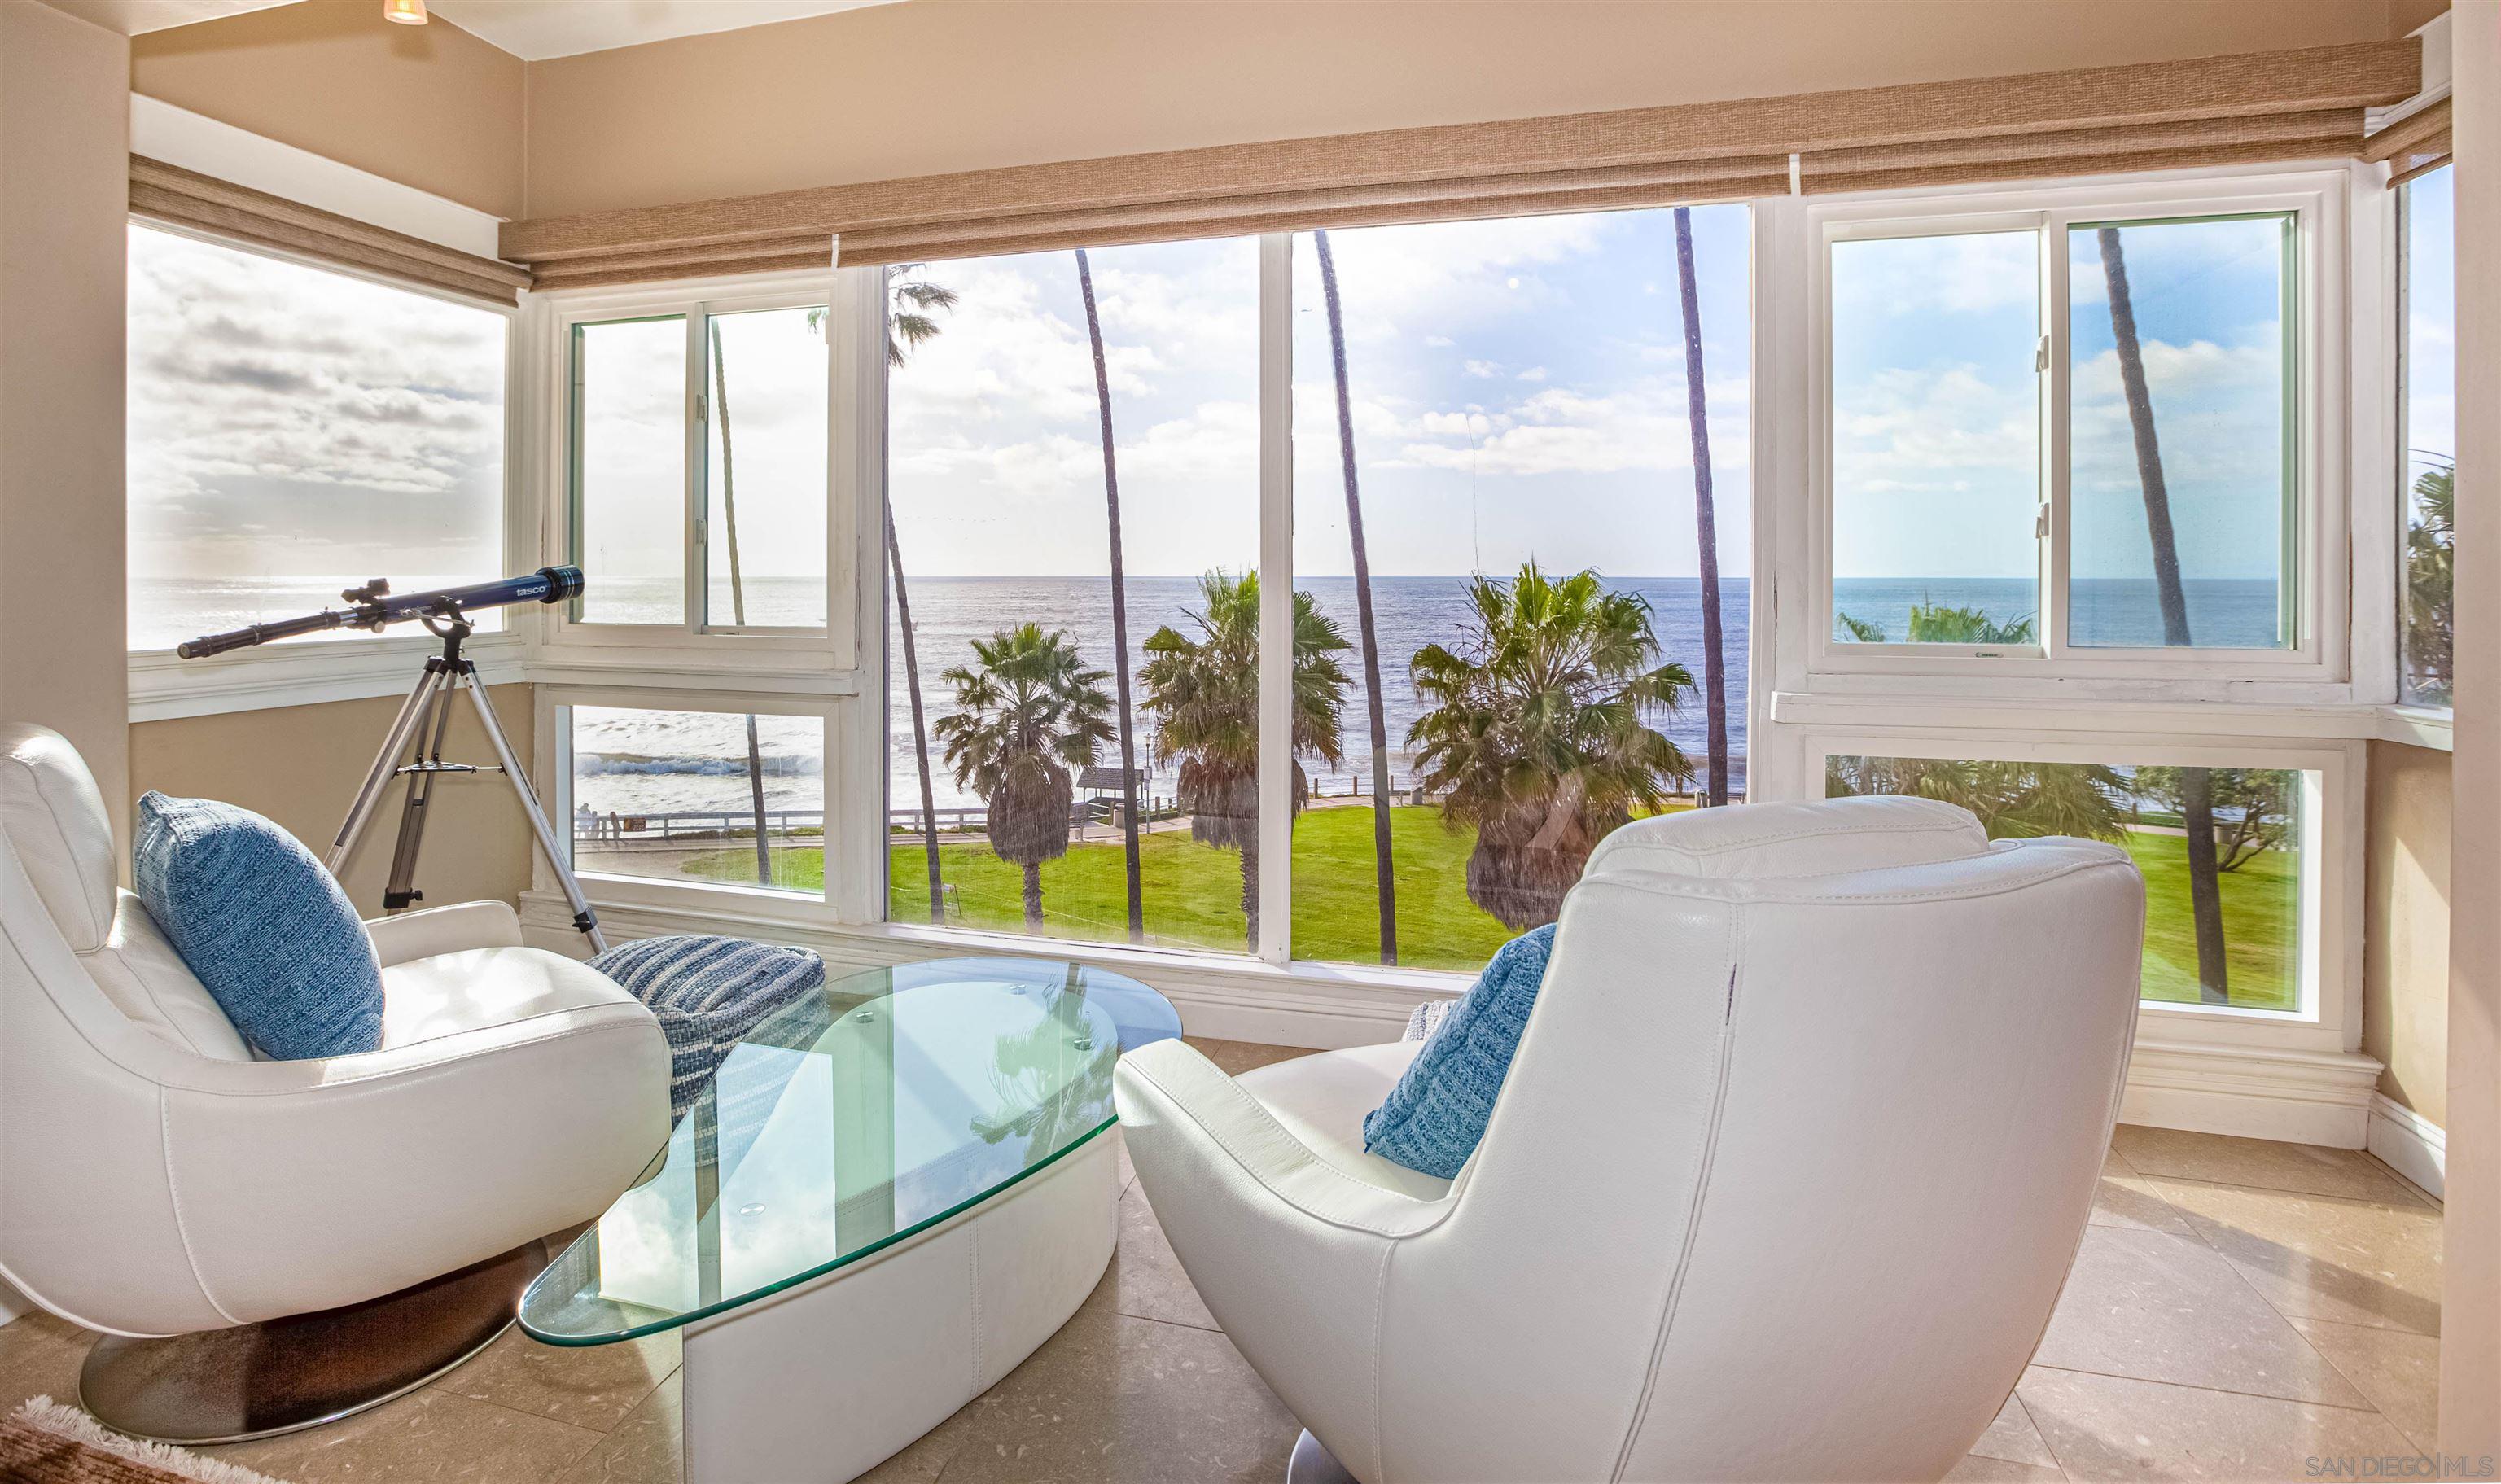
[1026, 711]
[737, 600]
[1538, 736]
[1706, 520]
[2197, 796]
[1935, 623]
[2013, 800]
[1204, 693]
[2431, 584]
[908, 324]
[1383, 872]
[1119, 612]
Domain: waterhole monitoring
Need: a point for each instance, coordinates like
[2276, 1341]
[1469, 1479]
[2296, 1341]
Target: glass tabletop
[846, 1123]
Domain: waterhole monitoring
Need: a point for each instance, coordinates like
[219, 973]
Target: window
[2237, 944]
[699, 468]
[1006, 729]
[2070, 429]
[629, 388]
[295, 431]
[2180, 389]
[697, 796]
[2427, 414]
[1514, 435]
[1936, 445]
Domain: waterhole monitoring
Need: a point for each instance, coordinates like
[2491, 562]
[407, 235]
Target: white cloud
[1533, 374]
[1483, 370]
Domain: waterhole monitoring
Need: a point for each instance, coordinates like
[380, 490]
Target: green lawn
[2261, 925]
[1193, 898]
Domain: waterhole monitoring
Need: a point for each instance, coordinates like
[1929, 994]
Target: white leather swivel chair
[156, 1179]
[1783, 1184]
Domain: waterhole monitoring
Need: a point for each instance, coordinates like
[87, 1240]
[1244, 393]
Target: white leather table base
[826, 1380]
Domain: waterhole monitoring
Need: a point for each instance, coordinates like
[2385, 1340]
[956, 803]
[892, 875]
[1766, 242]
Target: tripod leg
[584, 919]
[400, 890]
[385, 764]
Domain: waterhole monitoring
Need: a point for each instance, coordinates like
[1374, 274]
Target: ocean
[635, 762]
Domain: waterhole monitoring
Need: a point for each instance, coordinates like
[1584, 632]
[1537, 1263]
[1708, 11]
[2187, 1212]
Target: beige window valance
[186, 198]
[2414, 143]
[2270, 106]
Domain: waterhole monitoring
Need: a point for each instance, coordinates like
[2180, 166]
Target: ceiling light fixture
[407, 13]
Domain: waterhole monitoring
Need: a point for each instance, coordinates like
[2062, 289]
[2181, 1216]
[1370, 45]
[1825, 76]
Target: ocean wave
[592, 764]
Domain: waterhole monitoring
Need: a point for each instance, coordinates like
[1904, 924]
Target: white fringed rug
[44, 1442]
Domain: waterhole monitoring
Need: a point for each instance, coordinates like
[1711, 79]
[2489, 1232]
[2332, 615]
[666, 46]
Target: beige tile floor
[2238, 1310]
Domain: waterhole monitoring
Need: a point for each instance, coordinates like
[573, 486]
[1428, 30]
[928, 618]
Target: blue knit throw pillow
[262, 924]
[1434, 1117]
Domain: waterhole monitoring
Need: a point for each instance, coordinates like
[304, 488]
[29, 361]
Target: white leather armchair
[156, 1179]
[1783, 1184]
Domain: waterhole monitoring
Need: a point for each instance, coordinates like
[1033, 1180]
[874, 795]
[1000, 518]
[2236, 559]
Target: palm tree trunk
[919, 724]
[2196, 786]
[738, 602]
[1119, 612]
[1033, 897]
[1250, 886]
[1382, 870]
[1706, 522]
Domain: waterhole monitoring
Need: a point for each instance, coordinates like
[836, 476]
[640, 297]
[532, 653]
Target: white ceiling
[137, 17]
[535, 30]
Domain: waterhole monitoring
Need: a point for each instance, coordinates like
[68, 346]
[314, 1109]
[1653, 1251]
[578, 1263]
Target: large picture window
[1073, 457]
[295, 431]
[1496, 477]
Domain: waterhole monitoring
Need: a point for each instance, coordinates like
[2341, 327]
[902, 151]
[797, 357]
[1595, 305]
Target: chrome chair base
[1314, 1463]
[282, 1375]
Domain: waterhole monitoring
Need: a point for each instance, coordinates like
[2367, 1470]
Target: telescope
[417, 732]
[373, 606]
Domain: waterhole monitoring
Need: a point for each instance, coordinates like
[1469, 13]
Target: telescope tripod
[417, 736]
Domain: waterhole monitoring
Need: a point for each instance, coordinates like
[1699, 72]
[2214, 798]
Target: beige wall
[428, 106]
[2405, 982]
[300, 766]
[961, 85]
[64, 199]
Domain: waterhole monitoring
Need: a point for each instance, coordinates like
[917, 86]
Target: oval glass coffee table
[890, 1193]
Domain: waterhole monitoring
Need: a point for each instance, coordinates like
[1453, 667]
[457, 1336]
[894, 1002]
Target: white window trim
[163, 686]
[2331, 900]
[1792, 253]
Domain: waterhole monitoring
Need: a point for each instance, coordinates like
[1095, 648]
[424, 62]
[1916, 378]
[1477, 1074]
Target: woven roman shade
[186, 198]
[2414, 143]
[2268, 106]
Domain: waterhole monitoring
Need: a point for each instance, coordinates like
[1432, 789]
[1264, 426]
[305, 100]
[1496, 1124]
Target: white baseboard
[2255, 1091]
[13, 1304]
[2409, 1143]
[2252, 1092]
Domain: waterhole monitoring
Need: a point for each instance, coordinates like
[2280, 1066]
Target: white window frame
[762, 659]
[2332, 806]
[2318, 669]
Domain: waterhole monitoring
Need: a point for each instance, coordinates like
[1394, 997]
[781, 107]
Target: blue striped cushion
[708, 993]
[1433, 1119]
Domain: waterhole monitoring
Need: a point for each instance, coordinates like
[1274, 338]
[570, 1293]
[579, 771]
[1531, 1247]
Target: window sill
[164, 687]
[1234, 997]
[2417, 726]
[2056, 717]
[2198, 1076]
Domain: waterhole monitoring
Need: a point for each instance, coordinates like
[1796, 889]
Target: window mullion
[2056, 447]
[1275, 883]
[698, 453]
